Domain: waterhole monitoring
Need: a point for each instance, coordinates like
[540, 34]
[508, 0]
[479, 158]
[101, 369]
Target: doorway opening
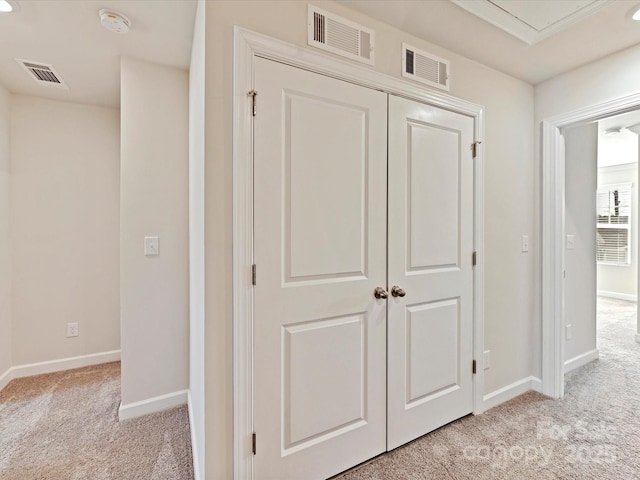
[577, 250]
[617, 229]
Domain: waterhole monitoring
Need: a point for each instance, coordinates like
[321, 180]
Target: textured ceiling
[608, 30]
[67, 34]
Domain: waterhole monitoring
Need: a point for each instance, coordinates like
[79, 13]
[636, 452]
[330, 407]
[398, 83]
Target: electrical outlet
[568, 333]
[487, 359]
[72, 329]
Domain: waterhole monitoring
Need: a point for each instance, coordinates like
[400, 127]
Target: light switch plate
[525, 243]
[571, 242]
[151, 246]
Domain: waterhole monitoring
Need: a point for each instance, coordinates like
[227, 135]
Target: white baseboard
[619, 296]
[194, 444]
[51, 366]
[536, 384]
[513, 390]
[5, 378]
[153, 405]
[580, 360]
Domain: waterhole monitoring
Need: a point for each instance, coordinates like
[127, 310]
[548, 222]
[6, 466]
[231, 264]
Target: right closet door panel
[430, 247]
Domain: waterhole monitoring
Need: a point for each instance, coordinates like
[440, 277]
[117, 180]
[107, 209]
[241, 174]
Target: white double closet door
[354, 190]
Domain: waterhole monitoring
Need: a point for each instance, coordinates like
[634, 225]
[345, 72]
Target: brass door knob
[396, 291]
[380, 292]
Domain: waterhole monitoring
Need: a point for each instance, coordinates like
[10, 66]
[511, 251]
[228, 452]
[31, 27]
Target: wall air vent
[425, 67]
[340, 36]
[42, 73]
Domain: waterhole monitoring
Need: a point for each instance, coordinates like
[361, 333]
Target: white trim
[553, 192]
[580, 360]
[621, 167]
[619, 296]
[511, 391]
[637, 337]
[478, 270]
[552, 261]
[242, 257]
[195, 448]
[51, 366]
[247, 46]
[152, 405]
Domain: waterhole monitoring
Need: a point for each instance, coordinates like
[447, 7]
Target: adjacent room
[93, 124]
[617, 230]
[339, 239]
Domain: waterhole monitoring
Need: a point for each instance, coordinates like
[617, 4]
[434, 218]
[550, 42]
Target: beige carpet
[64, 426]
[592, 433]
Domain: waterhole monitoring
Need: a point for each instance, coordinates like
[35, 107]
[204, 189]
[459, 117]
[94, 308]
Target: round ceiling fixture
[6, 6]
[114, 21]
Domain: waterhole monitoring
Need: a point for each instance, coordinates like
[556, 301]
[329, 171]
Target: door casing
[247, 46]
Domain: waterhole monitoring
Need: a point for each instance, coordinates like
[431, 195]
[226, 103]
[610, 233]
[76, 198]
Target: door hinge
[253, 443]
[473, 368]
[474, 148]
[474, 259]
[253, 274]
[254, 105]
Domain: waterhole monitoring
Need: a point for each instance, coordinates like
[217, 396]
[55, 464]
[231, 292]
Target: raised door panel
[319, 406]
[433, 336]
[325, 188]
[433, 196]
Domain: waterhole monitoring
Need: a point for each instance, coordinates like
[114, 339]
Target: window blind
[613, 204]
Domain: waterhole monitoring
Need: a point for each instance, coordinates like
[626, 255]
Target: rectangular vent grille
[42, 73]
[340, 36]
[425, 67]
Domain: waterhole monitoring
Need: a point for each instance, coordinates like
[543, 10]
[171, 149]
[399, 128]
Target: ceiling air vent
[425, 67]
[340, 36]
[42, 73]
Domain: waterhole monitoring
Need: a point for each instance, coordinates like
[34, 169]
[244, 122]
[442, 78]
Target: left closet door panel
[320, 148]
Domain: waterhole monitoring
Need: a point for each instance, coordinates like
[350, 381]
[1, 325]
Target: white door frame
[247, 46]
[553, 233]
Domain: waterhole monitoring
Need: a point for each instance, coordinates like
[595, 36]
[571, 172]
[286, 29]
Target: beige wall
[154, 291]
[580, 262]
[612, 77]
[512, 296]
[64, 228]
[5, 260]
[196, 239]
